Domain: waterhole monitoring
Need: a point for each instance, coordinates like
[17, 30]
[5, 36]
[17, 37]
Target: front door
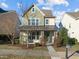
[48, 36]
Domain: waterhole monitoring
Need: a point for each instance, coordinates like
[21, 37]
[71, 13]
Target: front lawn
[62, 49]
[59, 49]
[16, 47]
[24, 57]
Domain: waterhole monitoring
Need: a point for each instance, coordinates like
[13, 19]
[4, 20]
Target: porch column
[52, 36]
[56, 39]
[42, 40]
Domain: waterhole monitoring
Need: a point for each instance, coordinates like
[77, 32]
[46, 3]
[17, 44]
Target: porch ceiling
[27, 28]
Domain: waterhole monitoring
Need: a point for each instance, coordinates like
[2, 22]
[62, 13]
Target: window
[69, 25]
[37, 22]
[28, 22]
[33, 10]
[46, 21]
[33, 22]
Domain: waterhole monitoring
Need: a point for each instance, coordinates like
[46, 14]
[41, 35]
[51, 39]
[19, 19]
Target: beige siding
[51, 21]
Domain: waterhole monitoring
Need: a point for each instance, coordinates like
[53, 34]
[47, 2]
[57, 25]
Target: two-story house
[71, 22]
[39, 27]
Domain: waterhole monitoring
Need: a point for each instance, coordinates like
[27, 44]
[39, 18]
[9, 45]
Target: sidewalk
[53, 53]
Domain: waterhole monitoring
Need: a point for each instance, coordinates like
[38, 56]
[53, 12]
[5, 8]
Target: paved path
[53, 53]
[4, 52]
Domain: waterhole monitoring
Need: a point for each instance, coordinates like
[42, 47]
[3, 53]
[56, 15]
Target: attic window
[33, 10]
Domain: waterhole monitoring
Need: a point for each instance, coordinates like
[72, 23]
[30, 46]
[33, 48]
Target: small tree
[63, 36]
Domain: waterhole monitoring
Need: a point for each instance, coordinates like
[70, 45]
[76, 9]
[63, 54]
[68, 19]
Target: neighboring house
[40, 26]
[71, 22]
[9, 23]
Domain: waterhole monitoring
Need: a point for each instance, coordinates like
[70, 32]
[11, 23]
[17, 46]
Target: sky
[58, 7]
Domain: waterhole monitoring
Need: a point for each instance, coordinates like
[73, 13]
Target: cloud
[40, 1]
[3, 5]
[76, 10]
[58, 2]
[54, 2]
[46, 8]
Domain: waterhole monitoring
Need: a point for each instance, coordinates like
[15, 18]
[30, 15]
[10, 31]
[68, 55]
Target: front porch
[40, 37]
[37, 35]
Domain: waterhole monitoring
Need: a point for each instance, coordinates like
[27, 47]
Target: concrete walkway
[53, 53]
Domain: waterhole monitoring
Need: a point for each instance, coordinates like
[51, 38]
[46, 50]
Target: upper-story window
[33, 22]
[37, 22]
[29, 22]
[69, 25]
[46, 22]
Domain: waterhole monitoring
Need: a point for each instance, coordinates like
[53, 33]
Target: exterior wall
[51, 21]
[72, 25]
[37, 14]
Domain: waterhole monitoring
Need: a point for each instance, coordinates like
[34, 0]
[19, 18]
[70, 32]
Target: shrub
[72, 41]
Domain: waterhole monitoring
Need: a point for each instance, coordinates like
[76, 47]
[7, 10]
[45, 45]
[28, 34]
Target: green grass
[16, 47]
[75, 47]
[8, 47]
[72, 48]
[59, 49]
[24, 57]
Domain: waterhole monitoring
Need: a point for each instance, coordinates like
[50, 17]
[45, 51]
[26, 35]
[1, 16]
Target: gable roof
[74, 14]
[9, 22]
[48, 13]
